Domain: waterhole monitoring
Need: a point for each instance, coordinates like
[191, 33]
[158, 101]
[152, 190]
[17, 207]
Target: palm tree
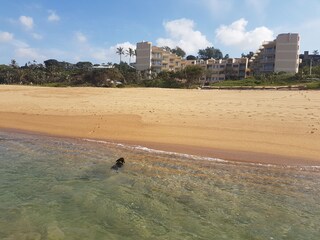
[120, 51]
[315, 52]
[130, 52]
[14, 63]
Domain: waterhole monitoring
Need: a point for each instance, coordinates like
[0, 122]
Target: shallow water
[55, 188]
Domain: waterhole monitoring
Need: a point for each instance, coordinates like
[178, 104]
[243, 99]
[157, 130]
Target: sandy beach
[277, 127]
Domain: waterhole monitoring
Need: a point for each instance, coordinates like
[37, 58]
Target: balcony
[267, 60]
[157, 56]
[269, 52]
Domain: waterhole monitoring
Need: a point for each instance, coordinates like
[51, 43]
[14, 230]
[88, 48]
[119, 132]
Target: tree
[120, 51]
[226, 56]
[84, 65]
[192, 74]
[210, 52]
[129, 73]
[14, 63]
[166, 48]
[179, 52]
[52, 63]
[315, 52]
[130, 52]
[103, 77]
[191, 57]
[249, 55]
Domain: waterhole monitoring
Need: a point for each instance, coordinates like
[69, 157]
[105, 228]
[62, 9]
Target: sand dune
[264, 126]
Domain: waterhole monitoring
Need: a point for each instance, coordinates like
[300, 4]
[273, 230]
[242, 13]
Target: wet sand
[278, 127]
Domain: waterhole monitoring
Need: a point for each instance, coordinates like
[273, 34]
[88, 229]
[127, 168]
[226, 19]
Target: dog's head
[120, 161]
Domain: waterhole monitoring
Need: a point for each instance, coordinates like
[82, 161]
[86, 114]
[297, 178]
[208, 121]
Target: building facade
[221, 69]
[156, 59]
[279, 55]
[143, 56]
[309, 60]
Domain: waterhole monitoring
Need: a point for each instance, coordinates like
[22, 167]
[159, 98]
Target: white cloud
[80, 37]
[110, 55]
[6, 37]
[37, 36]
[88, 52]
[236, 35]
[182, 33]
[29, 53]
[19, 44]
[258, 7]
[27, 22]
[53, 17]
[217, 7]
[126, 45]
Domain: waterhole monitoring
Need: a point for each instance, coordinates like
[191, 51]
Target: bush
[313, 85]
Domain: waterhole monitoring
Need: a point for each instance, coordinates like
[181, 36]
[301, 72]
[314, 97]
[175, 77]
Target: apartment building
[309, 60]
[155, 59]
[221, 69]
[279, 55]
[143, 56]
[162, 60]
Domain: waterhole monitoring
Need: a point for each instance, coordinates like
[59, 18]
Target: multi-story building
[143, 56]
[156, 59]
[221, 69]
[279, 55]
[309, 60]
[151, 58]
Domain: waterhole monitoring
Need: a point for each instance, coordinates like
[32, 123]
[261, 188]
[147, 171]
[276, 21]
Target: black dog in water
[119, 164]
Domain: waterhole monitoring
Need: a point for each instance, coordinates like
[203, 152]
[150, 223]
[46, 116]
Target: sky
[83, 30]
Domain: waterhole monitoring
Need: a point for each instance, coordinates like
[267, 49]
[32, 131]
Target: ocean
[60, 188]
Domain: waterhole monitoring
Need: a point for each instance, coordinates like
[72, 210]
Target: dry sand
[260, 126]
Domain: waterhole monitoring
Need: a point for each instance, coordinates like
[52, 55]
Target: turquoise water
[55, 188]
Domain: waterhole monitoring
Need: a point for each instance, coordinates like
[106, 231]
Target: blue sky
[92, 30]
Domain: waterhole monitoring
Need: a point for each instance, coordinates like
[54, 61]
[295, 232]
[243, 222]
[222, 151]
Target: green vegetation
[120, 51]
[130, 52]
[210, 52]
[313, 85]
[61, 74]
[55, 73]
[272, 80]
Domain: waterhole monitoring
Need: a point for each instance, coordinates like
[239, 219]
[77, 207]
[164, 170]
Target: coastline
[183, 121]
[220, 154]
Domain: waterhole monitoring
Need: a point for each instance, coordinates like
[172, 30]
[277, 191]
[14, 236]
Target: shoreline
[276, 127]
[221, 154]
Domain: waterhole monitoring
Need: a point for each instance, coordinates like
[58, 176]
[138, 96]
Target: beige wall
[287, 53]
[143, 56]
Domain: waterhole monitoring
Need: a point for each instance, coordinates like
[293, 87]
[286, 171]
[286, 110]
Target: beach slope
[258, 126]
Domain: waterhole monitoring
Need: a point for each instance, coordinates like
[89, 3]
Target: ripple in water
[54, 188]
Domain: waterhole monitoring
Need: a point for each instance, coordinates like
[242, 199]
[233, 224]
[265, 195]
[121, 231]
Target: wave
[156, 151]
[198, 158]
